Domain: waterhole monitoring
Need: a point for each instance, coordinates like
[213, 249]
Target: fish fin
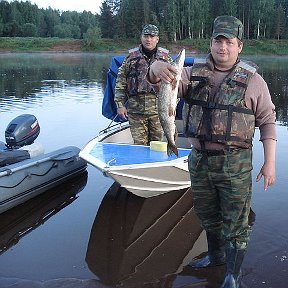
[172, 149]
[171, 111]
[174, 83]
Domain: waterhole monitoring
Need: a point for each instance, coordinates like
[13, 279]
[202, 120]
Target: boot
[216, 252]
[234, 258]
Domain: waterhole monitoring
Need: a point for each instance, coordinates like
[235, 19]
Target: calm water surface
[91, 233]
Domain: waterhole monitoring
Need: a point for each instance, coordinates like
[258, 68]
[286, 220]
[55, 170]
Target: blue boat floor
[115, 154]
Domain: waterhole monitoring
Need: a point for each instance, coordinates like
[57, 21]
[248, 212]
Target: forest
[176, 19]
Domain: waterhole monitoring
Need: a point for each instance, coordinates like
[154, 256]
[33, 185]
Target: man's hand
[268, 172]
[122, 112]
[268, 168]
[160, 70]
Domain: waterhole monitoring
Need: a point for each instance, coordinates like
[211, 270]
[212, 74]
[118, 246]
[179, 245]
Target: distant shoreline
[121, 46]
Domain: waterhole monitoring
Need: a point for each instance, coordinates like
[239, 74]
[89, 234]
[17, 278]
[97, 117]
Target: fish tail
[171, 148]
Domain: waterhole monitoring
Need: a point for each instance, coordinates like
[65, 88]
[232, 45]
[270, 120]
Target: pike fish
[167, 102]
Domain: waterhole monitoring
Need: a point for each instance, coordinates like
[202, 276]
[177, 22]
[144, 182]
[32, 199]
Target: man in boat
[133, 88]
[224, 100]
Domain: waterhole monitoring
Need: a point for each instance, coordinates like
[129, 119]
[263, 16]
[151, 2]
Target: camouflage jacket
[132, 84]
[224, 118]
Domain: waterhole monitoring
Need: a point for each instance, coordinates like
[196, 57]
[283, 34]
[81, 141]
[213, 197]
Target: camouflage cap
[150, 29]
[227, 26]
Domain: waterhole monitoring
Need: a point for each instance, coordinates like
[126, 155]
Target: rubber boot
[234, 258]
[216, 252]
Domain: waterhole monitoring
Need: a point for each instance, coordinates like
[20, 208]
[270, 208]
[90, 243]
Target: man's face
[225, 51]
[149, 41]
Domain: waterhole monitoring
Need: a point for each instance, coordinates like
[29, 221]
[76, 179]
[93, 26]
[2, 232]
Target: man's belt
[217, 152]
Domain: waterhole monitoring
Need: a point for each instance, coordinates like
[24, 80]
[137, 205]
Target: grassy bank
[31, 44]
[18, 44]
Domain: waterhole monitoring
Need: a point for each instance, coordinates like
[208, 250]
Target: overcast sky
[70, 5]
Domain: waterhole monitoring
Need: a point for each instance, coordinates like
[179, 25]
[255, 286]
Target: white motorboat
[139, 169]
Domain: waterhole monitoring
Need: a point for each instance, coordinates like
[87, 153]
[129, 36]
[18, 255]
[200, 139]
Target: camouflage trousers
[222, 189]
[145, 128]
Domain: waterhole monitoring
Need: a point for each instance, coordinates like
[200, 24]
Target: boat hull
[21, 181]
[152, 180]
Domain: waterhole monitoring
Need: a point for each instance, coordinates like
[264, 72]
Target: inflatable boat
[25, 170]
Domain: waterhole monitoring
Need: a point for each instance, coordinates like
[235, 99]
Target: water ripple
[53, 92]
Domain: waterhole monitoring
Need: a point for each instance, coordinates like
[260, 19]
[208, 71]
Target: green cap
[227, 26]
[150, 29]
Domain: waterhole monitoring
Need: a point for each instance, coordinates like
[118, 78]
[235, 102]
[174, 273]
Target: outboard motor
[21, 131]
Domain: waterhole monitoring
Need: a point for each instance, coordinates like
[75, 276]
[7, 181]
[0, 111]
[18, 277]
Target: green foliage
[193, 19]
[274, 47]
[107, 21]
[93, 42]
[109, 45]
[28, 43]
[22, 19]
[67, 31]
[92, 37]
[177, 20]
[29, 30]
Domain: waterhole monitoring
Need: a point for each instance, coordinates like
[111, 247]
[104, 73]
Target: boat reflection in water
[148, 242]
[24, 218]
[135, 242]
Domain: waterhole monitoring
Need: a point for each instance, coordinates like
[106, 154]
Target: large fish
[167, 102]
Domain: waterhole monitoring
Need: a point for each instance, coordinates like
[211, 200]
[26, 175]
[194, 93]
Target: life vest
[138, 69]
[225, 119]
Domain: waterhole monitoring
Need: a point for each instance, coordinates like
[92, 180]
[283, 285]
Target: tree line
[23, 19]
[176, 19]
[190, 19]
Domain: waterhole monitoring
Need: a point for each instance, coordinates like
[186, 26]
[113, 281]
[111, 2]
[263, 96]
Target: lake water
[98, 235]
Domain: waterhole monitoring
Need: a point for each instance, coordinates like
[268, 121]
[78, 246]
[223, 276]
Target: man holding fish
[225, 99]
[133, 88]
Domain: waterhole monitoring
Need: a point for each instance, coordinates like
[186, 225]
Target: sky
[70, 5]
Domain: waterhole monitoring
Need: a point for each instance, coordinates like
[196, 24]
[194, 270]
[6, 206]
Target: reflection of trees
[278, 86]
[23, 75]
[276, 75]
[275, 71]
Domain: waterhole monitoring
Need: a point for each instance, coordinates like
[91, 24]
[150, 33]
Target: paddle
[63, 155]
